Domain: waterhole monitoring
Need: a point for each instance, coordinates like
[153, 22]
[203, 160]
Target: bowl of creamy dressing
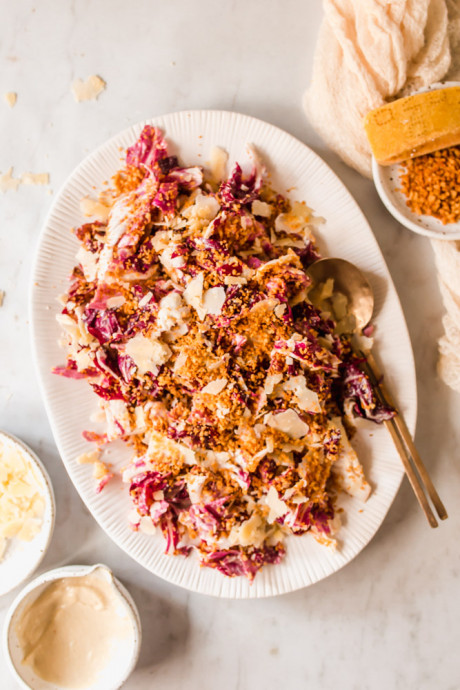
[73, 628]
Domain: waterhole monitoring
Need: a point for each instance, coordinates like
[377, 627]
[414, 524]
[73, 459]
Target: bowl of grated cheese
[27, 511]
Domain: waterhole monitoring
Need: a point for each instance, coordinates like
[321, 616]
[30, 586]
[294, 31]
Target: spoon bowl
[351, 282]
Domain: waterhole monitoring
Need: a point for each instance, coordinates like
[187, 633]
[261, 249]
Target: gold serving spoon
[350, 282]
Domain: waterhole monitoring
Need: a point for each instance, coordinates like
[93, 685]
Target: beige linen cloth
[369, 52]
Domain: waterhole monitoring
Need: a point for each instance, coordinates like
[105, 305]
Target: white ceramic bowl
[387, 182]
[22, 558]
[124, 653]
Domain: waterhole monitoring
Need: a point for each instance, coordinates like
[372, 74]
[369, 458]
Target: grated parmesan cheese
[21, 502]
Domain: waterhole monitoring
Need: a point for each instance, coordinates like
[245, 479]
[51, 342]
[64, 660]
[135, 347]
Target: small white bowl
[22, 558]
[387, 182]
[124, 653]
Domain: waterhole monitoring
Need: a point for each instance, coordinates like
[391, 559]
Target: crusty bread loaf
[415, 125]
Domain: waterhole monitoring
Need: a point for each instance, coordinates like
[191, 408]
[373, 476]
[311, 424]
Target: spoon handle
[401, 435]
[411, 475]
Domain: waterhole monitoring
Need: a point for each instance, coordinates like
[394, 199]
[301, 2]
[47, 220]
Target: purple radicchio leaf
[240, 188]
[148, 149]
[357, 388]
[102, 324]
[70, 371]
[237, 562]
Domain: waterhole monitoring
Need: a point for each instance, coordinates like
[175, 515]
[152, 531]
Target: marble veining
[390, 619]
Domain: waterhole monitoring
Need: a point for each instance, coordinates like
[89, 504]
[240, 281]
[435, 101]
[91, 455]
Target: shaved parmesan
[307, 399]
[235, 280]
[279, 310]
[288, 422]
[145, 299]
[250, 533]
[218, 163]
[75, 329]
[204, 208]
[10, 98]
[88, 262]
[89, 207]
[115, 302]
[140, 419]
[339, 305]
[118, 419]
[169, 262]
[213, 300]
[193, 294]
[326, 289]
[147, 354]
[146, 525]
[271, 381]
[220, 457]
[296, 221]
[8, 182]
[262, 209]
[180, 362]
[35, 178]
[88, 90]
[162, 447]
[172, 312]
[214, 387]
[209, 302]
[89, 458]
[277, 507]
[195, 485]
[82, 359]
[187, 453]
[347, 467]
[161, 239]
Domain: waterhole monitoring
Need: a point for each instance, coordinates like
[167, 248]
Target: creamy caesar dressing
[67, 633]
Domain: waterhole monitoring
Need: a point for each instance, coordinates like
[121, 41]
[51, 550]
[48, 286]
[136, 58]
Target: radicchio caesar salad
[188, 315]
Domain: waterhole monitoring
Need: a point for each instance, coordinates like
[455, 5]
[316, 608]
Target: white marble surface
[390, 619]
